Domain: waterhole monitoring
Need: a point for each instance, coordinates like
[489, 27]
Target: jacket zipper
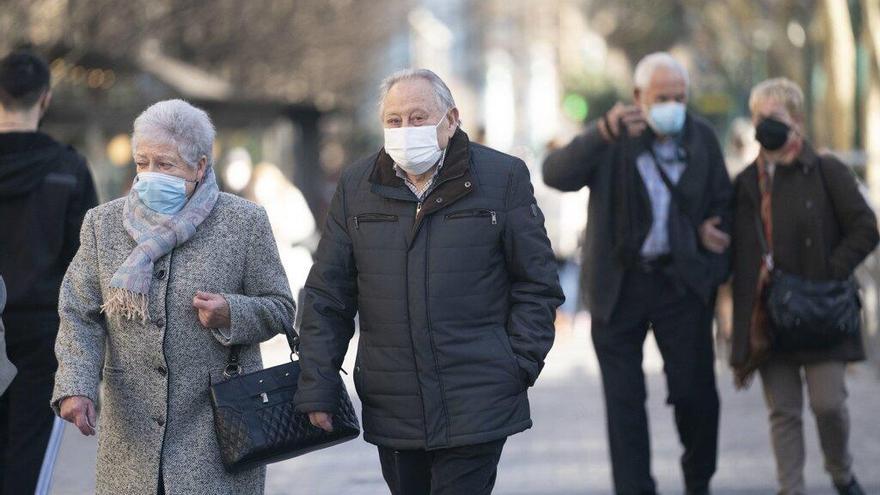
[474, 213]
[373, 217]
[413, 347]
[431, 330]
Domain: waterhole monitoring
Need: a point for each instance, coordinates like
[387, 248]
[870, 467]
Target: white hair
[647, 66]
[445, 101]
[187, 127]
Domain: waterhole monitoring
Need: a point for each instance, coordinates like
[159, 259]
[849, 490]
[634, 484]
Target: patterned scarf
[156, 234]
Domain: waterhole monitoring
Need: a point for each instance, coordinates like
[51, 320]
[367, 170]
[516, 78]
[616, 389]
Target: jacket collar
[454, 182]
[807, 161]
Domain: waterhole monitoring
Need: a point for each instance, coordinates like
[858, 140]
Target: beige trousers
[783, 391]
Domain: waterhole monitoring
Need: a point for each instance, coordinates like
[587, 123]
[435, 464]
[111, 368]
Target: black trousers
[468, 470]
[682, 327]
[25, 416]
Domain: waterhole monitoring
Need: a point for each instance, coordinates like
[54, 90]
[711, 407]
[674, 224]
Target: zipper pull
[494, 217]
[418, 208]
[356, 225]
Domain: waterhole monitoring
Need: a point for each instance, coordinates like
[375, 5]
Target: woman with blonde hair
[799, 216]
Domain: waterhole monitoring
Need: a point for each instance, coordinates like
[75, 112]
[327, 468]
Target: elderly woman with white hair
[166, 279]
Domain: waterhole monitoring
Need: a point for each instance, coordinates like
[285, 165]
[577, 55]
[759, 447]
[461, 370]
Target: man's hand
[213, 310]
[713, 238]
[322, 420]
[80, 411]
[630, 116]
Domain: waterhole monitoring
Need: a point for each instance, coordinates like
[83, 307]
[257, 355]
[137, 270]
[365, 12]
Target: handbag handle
[233, 366]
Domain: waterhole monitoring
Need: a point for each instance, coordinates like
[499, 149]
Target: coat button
[160, 322]
[162, 371]
[160, 421]
[439, 200]
[809, 203]
[160, 274]
[467, 184]
[808, 242]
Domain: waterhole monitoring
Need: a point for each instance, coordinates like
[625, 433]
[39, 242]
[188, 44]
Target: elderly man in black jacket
[439, 245]
[660, 207]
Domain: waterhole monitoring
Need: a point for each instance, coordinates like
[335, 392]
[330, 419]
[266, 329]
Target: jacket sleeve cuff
[529, 369]
[309, 407]
[236, 333]
[64, 390]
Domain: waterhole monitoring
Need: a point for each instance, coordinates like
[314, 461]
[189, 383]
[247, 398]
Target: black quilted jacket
[456, 298]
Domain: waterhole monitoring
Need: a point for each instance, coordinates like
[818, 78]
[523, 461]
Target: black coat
[591, 161]
[822, 229]
[456, 302]
[45, 190]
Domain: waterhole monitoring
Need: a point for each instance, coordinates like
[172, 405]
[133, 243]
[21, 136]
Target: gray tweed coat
[155, 410]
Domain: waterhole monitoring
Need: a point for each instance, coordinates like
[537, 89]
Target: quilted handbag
[808, 314]
[255, 419]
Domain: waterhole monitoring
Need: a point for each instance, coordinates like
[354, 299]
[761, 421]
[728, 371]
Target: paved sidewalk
[566, 453]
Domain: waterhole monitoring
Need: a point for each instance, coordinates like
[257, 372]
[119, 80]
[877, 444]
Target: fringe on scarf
[126, 304]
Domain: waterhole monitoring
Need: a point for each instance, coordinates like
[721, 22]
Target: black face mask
[772, 133]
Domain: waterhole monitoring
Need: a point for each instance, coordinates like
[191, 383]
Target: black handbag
[255, 419]
[808, 314]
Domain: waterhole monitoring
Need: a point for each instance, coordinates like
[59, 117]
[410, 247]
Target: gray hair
[188, 127]
[647, 66]
[441, 90]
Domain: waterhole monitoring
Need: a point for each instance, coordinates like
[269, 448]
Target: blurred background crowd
[292, 85]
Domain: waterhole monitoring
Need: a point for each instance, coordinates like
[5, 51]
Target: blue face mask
[667, 118]
[161, 193]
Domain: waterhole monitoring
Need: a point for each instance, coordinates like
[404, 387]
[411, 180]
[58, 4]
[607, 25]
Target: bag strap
[233, 367]
[673, 190]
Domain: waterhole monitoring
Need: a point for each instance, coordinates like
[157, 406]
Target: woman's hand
[213, 310]
[80, 411]
[322, 420]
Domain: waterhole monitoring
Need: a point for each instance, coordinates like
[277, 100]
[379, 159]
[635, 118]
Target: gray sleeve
[266, 307]
[79, 346]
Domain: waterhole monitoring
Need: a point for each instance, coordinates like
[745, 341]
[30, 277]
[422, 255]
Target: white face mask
[414, 149]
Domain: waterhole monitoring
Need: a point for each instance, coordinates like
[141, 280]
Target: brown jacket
[816, 234]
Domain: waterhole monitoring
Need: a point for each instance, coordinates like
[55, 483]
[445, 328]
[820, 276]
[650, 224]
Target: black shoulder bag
[808, 314]
[255, 419]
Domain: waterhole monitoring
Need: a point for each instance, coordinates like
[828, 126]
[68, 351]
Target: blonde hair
[781, 90]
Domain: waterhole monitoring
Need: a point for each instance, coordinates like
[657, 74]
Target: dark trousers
[468, 470]
[683, 331]
[25, 416]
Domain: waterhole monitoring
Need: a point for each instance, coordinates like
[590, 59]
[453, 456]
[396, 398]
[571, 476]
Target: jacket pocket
[513, 363]
[372, 217]
[475, 213]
